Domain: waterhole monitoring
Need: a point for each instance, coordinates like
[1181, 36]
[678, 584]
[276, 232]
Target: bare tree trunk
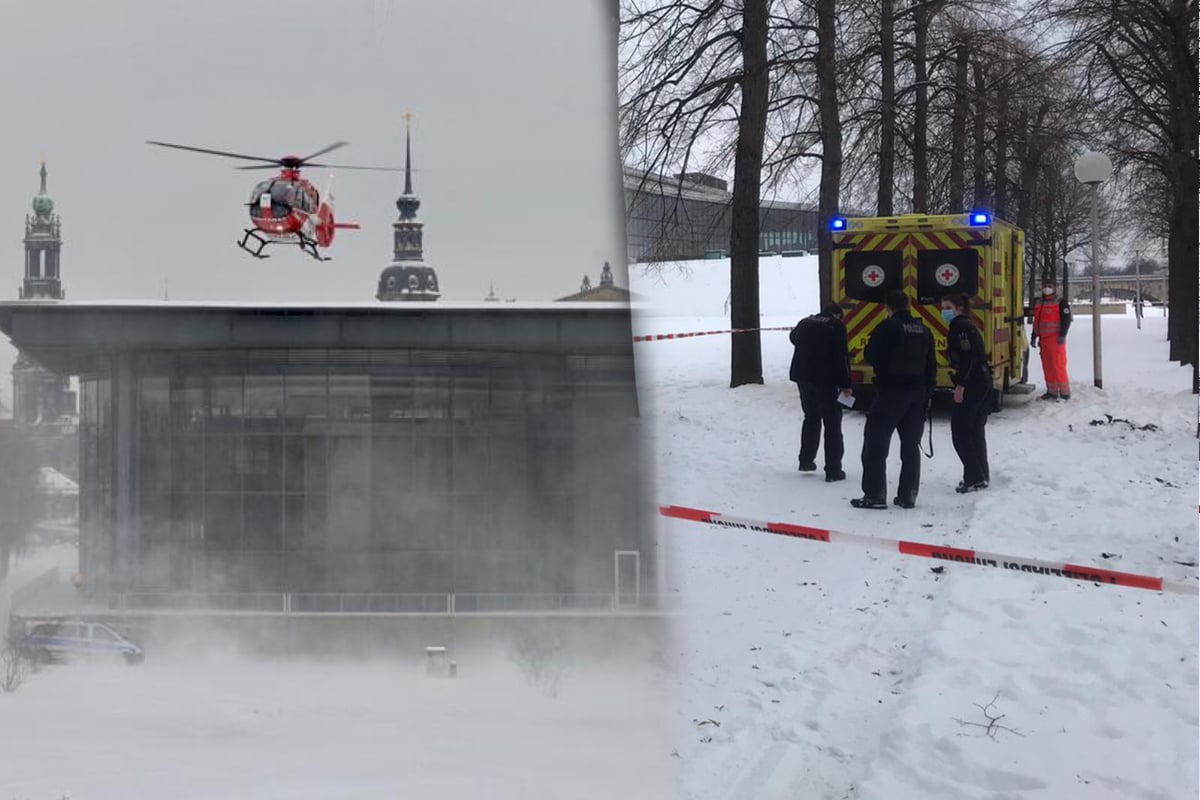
[979, 156]
[958, 129]
[831, 140]
[746, 348]
[1182, 262]
[1000, 171]
[887, 115]
[920, 133]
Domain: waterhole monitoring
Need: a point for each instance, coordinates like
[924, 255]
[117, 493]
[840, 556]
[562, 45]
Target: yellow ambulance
[929, 256]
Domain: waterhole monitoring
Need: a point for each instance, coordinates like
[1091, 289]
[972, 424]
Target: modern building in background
[408, 277]
[238, 455]
[688, 217]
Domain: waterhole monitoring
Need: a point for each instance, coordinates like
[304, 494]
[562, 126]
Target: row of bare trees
[930, 106]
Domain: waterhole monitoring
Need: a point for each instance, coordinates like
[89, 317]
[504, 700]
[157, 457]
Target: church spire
[408, 152]
[408, 277]
[43, 243]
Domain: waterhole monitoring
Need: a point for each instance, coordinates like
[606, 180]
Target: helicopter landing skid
[257, 252]
[310, 246]
[252, 237]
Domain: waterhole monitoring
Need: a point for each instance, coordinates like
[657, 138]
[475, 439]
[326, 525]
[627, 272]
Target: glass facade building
[675, 219]
[473, 460]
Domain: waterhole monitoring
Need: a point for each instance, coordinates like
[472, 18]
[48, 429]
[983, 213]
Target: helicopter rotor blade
[322, 152]
[346, 166]
[271, 161]
[261, 166]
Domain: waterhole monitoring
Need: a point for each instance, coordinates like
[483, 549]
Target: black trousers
[967, 424]
[896, 409]
[820, 406]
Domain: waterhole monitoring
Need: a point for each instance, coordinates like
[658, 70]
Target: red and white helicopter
[288, 208]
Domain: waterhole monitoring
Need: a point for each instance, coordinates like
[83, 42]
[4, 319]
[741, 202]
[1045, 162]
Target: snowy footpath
[811, 670]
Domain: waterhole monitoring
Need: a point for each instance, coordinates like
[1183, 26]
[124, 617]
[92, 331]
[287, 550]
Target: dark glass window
[942, 272]
[871, 274]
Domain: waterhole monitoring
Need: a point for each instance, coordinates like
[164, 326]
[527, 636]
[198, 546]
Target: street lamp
[1094, 169]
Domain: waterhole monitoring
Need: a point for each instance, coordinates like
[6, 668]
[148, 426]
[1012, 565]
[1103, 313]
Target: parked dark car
[74, 640]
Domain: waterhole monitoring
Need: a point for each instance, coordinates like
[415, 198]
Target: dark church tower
[408, 277]
[41, 398]
[43, 244]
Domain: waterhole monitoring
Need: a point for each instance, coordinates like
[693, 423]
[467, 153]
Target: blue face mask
[948, 314]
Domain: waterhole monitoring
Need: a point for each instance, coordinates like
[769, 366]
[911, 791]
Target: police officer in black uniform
[973, 392]
[901, 351]
[821, 370]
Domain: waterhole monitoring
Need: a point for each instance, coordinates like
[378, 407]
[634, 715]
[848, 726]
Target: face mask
[948, 314]
[1047, 292]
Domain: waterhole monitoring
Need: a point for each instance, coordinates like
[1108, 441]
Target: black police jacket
[901, 351]
[820, 356]
[967, 354]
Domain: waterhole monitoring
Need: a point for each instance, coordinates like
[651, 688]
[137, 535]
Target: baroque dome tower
[408, 277]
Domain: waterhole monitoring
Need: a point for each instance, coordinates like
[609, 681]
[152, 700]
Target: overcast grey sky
[514, 129]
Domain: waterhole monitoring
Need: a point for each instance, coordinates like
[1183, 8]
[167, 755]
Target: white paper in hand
[846, 400]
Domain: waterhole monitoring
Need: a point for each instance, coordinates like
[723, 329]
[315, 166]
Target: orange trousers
[1054, 365]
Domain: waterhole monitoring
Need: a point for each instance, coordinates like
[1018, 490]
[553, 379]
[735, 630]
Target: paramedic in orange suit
[1051, 320]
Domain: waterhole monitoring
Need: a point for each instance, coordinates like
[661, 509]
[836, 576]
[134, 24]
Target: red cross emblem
[872, 276]
[947, 275]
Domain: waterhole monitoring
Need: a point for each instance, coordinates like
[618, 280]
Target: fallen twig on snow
[992, 726]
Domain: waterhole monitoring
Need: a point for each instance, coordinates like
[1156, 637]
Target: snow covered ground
[222, 726]
[815, 671]
[200, 720]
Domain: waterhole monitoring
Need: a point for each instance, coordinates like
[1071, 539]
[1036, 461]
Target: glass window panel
[225, 404]
[431, 464]
[391, 464]
[471, 522]
[315, 468]
[431, 521]
[154, 516]
[548, 466]
[260, 463]
[470, 398]
[507, 472]
[306, 401]
[507, 398]
[293, 464]
[154, 411]
[187, 405]
[511, 527]
[221, 464]
[391, 399]
[293, 521]
[315, 524]
[187, 516]
[154, 464]
[349, 397]
[262, 525]
[263, 410]
[431, 398]
[187, 464]
[470, 464]
[223, 519]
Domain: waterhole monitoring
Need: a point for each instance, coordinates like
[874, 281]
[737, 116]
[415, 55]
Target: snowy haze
[514, 134]
[832, 672]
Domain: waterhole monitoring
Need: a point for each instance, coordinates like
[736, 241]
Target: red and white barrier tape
[658, 337]
[978, 558]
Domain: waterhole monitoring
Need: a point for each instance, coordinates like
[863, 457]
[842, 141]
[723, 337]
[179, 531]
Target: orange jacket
[1051, 319]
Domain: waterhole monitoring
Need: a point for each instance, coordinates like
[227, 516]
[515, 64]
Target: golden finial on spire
[408, 118]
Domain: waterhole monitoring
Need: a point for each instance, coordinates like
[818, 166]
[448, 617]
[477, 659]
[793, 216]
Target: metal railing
[358, 603]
